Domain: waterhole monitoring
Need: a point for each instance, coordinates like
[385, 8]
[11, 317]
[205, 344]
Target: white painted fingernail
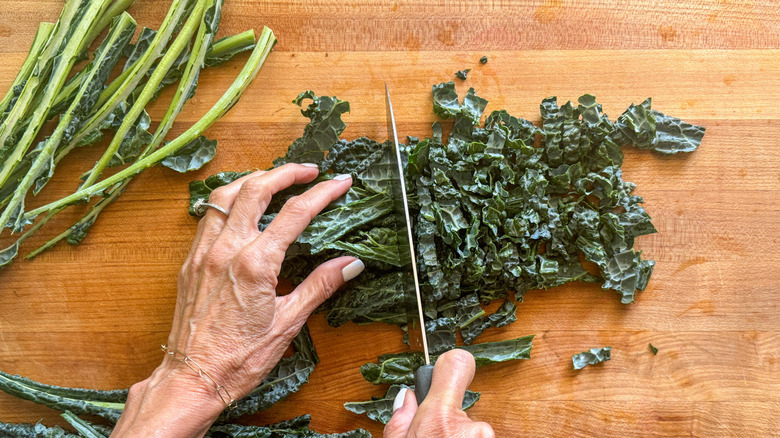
[352, 270]
[342, 177]
[310, 165]
[399, 399]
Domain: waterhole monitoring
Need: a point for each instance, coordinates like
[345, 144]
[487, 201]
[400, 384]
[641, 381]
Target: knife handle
[422, 382]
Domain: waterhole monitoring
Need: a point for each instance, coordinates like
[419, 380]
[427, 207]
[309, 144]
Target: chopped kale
[593, 356]
[462, 74]
[498, 206]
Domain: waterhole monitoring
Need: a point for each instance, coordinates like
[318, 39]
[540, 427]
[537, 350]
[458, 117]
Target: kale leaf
[399, 367]
[381, 408]
[462, 74]
[593, 356]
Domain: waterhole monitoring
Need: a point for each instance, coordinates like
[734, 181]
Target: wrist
[173, 402]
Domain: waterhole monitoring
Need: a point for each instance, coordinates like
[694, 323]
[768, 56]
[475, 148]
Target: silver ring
[201, 206]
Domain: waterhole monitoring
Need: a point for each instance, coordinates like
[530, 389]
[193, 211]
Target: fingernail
[399, 399]
[352, 270]
[342, 177]
[310, 165]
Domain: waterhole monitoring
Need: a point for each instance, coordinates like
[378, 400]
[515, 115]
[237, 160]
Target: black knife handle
[422, 382]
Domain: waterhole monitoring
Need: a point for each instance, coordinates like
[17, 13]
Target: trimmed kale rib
[106, 57]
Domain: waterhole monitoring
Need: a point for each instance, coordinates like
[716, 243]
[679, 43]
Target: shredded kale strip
[591, 357]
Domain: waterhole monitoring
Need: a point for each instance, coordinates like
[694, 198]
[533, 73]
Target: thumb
[318, 287]
[404, 408]
[452, 375]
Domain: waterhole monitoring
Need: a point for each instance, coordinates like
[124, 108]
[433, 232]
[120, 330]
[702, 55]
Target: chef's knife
[424, 374]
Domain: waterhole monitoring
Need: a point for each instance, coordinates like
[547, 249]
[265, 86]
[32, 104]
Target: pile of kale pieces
[507, 206]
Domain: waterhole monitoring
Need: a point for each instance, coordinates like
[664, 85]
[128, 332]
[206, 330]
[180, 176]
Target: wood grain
[93, 316]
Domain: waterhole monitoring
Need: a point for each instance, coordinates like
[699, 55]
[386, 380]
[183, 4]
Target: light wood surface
[93, 316]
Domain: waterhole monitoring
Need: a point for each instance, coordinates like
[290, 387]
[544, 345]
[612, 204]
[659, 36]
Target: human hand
[228, 318]
[441, 413]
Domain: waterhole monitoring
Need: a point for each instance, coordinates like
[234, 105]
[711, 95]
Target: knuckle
[249, 265]
[216, 259]
[324, 284]
[195, 263]
[298, 206]
[254, 186]
[218, 195]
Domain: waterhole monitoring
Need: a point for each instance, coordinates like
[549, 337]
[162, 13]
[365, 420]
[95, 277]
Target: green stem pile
[88, 104]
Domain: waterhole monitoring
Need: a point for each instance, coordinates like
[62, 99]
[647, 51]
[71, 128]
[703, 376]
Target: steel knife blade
[416, 325]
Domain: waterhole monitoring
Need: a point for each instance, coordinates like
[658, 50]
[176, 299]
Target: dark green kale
[653, 349]
[193, 156]
[499, 206]
[399, 367]
[594, 356]
[483, 60]
[38, 430]
[462, 74]
[85, 428]
[284, 379]
[381, 408]
[296, 427]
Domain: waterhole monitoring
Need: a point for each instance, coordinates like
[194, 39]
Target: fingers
[452, 375]
[404, 409]
[213, 221]
[253, 196]
[296, 307]
[296, 215]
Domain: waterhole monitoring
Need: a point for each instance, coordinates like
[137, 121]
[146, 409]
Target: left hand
[228, 317]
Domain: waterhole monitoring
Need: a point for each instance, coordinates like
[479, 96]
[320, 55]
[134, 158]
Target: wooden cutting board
[94, 316]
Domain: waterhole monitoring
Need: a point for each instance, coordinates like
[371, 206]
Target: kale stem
[44, 30]
[179, 44]
[105, 59]
[231, 96]
[40, 72]
[184, 91]
[121, 88]
[224, 47]
[61, 68]
[116, 8]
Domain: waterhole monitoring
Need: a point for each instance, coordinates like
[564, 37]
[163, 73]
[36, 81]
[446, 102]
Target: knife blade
[423, 374]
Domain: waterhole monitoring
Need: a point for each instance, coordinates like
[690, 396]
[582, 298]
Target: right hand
[441, 414]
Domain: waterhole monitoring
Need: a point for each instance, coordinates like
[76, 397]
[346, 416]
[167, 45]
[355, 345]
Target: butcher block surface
[95, 315]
